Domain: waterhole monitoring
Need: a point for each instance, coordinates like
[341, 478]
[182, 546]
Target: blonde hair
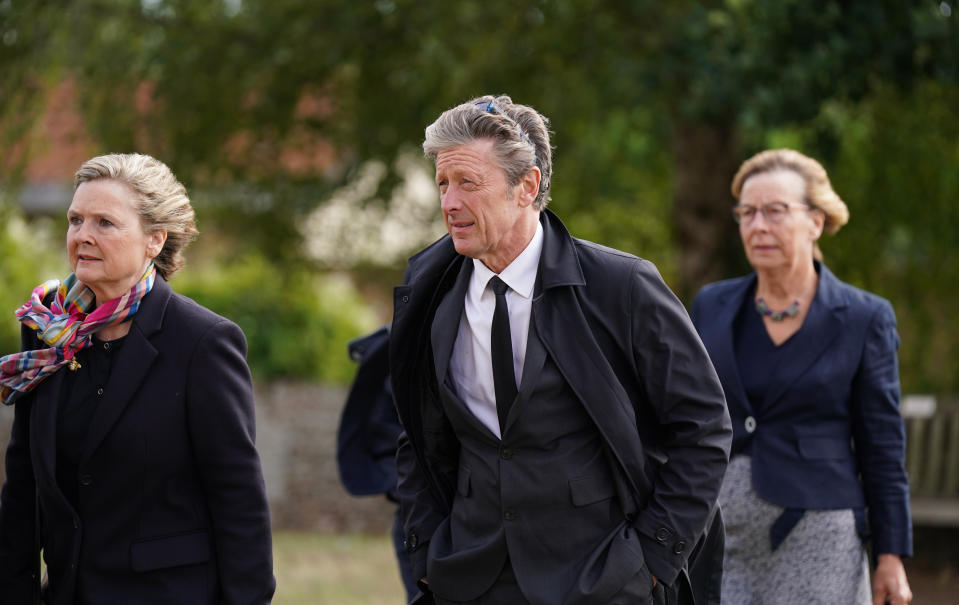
[520, 137]
[819, 191]
[161, 201]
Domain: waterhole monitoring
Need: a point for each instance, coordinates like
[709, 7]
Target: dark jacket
[832, 416]
[625, 345]
[172, 505]
[366, 438]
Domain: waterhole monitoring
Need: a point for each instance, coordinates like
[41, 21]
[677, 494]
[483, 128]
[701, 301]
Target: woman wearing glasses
[809, 367]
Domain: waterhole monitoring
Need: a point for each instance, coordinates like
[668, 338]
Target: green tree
[654, 105]
[28, 257]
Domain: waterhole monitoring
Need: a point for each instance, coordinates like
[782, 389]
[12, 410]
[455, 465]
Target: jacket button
[406, 299]
[86, 480]
[680, 547]
[509, 515]
[662, 534]
[100, 391]
[750, 424]
[506, 453]
[411, 542]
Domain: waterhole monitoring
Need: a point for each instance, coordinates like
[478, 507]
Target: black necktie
[501, 349]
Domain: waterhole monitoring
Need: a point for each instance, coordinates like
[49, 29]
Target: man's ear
[529, 186]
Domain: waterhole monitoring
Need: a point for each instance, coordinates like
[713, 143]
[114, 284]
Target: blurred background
[296, 127]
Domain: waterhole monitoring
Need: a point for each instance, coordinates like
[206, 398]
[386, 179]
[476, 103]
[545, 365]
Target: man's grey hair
[520, 136]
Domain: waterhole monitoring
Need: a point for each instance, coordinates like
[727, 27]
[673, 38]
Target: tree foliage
[28, 256]
[269, 106]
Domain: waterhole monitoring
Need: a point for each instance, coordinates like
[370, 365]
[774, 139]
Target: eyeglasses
[774, 212]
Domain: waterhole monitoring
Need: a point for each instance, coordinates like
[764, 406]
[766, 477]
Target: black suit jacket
[626, 347]
[172, 505]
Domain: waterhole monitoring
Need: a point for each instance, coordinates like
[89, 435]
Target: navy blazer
[172, 504]
[369, 428]
[832, 416]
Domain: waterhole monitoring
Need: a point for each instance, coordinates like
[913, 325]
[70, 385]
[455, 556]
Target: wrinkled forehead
[474, 156]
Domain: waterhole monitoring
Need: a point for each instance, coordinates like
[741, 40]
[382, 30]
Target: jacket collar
[131, 366]
[559, 264]
[820, 328]
[125, 377]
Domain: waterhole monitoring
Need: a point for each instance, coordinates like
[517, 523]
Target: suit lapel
[565, 336]
[532, 366]
[721, 345]
[130, 368]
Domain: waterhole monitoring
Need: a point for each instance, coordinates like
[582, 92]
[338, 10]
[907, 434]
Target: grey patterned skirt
[821, 562]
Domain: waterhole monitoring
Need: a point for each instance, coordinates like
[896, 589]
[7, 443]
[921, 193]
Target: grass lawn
[335, 569]
[357, 569]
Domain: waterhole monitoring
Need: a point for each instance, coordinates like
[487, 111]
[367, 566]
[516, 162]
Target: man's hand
[889, 583]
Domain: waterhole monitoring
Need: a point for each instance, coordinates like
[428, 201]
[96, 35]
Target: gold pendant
[74, 365]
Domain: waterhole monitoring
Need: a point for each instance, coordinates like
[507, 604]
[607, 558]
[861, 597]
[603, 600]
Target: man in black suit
[565, 432]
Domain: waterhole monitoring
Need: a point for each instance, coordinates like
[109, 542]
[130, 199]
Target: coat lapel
[131, 366]
[43, 427]
[559, 321]
[447, 320]
[820, 328]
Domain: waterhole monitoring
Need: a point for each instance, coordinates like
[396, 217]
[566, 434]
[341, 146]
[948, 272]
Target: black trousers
[506, 591]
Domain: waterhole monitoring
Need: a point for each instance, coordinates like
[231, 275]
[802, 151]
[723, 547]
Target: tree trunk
[706, 157]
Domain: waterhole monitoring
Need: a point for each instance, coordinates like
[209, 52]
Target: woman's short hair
[161, 201]
[819, 191]
[520, 137]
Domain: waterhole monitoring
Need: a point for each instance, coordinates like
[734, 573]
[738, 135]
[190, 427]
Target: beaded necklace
[763, 309]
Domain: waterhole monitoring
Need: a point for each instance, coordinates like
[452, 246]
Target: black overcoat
[172, 504]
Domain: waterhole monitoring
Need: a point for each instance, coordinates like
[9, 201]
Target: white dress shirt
[471, 366]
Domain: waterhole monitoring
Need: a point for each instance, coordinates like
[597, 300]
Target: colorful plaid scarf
[66, 327]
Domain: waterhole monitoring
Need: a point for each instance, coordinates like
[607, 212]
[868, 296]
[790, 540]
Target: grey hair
[520, 137]
[160, 201]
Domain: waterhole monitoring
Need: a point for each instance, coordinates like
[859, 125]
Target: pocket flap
[590, 489]
[170, 551]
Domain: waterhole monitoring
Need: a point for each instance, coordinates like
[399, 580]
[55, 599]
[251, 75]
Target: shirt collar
[519, 275]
